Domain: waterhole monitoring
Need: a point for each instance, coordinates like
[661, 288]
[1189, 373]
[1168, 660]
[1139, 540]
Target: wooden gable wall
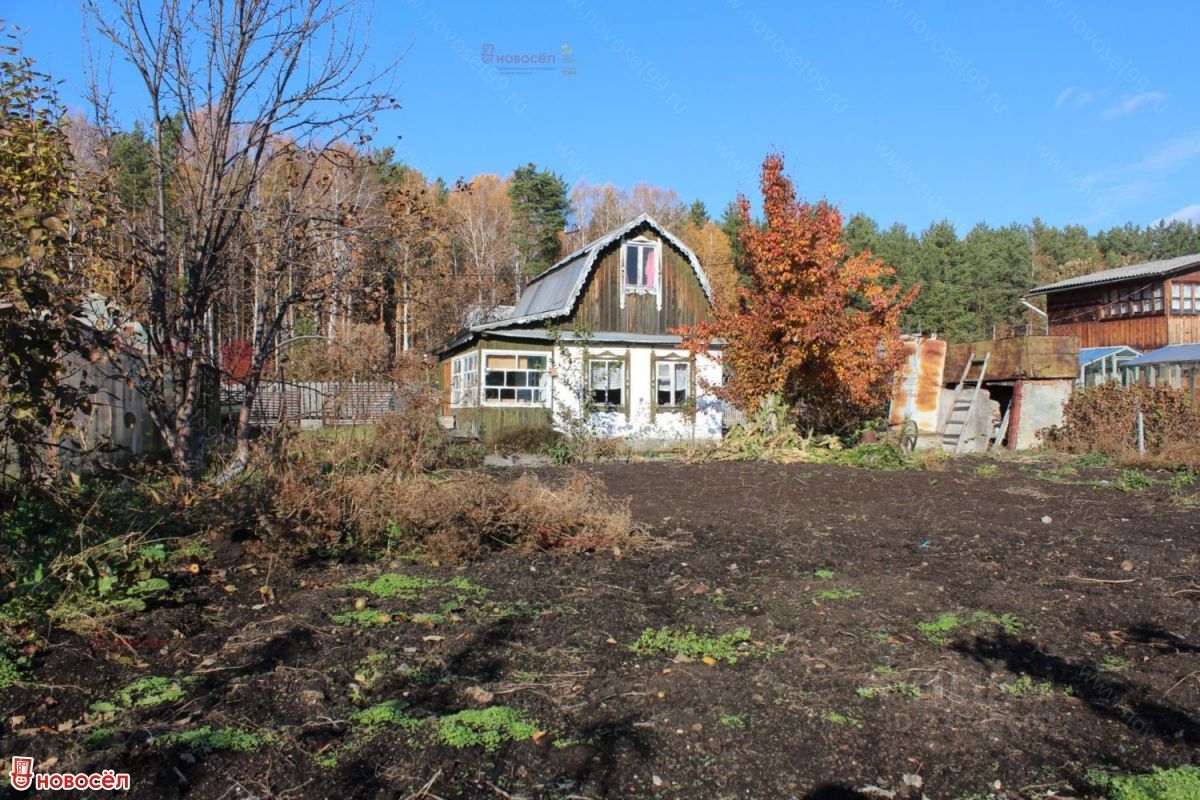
[683, 302]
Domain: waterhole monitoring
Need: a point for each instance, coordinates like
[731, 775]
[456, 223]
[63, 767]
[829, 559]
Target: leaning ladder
[965, 395]
[1002, 430]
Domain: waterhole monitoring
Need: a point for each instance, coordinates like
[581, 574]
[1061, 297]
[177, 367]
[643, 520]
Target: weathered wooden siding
[1035, 357]
[683, 301]
[1182, 329]
[1142, 333]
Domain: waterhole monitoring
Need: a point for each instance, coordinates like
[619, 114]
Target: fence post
[1141, 434]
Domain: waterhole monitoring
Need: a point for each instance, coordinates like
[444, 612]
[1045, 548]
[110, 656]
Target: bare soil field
[792, 631]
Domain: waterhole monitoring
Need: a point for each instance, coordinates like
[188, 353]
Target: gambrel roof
[554, 292]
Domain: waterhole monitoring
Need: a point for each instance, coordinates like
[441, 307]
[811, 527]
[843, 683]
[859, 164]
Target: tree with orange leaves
[815, 325]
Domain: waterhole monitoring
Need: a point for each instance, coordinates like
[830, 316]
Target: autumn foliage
[811, 323]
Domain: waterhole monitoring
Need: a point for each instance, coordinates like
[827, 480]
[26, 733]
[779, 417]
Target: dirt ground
[1074, 645]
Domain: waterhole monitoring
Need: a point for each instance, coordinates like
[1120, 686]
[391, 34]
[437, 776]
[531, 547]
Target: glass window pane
[631, 265]
[494, 378]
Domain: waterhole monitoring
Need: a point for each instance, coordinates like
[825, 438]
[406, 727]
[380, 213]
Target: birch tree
[241, 77]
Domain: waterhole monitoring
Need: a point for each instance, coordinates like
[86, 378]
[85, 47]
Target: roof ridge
[1159, 266]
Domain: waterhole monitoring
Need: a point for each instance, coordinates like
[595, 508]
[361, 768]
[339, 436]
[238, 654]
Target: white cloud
[1076, 96]
[1186, 214]
[1132, 102]
[1171, 156]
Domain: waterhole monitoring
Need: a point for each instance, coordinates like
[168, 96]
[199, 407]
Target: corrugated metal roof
[1151, 269]
[1089, 355]
[1172, 353]
[554, 292]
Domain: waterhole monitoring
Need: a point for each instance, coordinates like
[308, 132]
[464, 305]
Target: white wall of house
[700, 420]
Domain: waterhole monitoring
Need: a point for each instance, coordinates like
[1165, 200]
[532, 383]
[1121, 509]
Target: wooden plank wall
[1141, 333]
[683, 302]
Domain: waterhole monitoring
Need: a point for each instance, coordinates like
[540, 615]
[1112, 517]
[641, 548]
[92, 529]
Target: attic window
[641, 258]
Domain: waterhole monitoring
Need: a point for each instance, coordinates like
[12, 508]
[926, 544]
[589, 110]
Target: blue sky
[908, 111]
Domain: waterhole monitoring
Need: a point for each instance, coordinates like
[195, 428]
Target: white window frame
[619, 371]
[464, 380]
[643, 244]
[687, 383]
[544, 387]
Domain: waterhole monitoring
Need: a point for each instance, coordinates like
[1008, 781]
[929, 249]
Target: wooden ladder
[965, 395]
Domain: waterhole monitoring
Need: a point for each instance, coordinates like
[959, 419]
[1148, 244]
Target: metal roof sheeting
[1089, 355]
[554, 292]
[1171, 354]
[1151, 269]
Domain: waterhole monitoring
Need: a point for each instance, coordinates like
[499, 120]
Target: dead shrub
[447, 518]
[1103, 419]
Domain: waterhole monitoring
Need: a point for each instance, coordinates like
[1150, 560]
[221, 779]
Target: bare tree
[232, 89]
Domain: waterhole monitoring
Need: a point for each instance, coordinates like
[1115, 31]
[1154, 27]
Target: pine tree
[539, 209]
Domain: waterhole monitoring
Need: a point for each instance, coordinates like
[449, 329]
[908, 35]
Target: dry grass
[404, 490]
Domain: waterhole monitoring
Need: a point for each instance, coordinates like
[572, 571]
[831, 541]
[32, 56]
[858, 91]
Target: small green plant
[207, 740]
[831, 595]
[727, 647]
[938, 631]
[99, 737]
[1131, 480]
[1008, 622]
[389, 712]
[487, 727]
[363, 618]
[900, 687]
[1025, 685]
[10, 673]
[1112, 663]
[1181, 783]
[1093, 460]
[838, 718]
[147, 692]
[391, 584]
[986, 470]
[372, 669]
[734, 721]
[883, 456]
[823, 574]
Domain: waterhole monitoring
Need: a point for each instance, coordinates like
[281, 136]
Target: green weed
[838, 718]
[727, 647]
[734, 721]
[206, 740]
[823, 574]
[147, 692]
[365, 618]
[1131, 480]
[986, 470]
[900, 688]
[938, 631]
[830, 595]
[389, 712]
[1024, 686]
[1181, 783]
[487, 727]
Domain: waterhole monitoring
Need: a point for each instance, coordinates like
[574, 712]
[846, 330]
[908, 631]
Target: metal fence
[327, 403]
